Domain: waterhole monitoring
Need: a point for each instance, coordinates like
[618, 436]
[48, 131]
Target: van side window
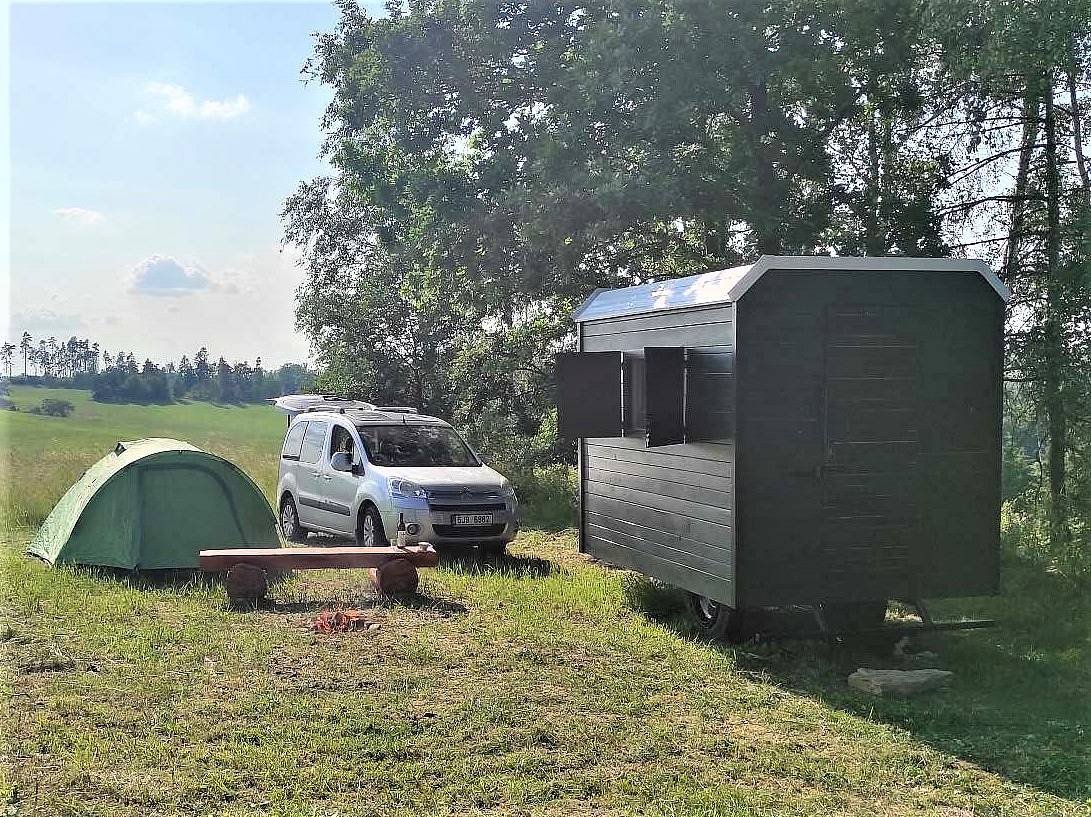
[293, 442]
[341, 440]
[312, 442]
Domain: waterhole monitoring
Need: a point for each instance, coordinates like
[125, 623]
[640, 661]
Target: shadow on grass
[471, 561]
[176, 579]
[291, 601]
[1020, 703]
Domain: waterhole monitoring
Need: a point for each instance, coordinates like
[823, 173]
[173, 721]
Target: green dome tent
[152, 504]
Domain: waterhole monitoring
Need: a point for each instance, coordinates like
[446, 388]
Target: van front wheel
[290, 528]
[369, 529]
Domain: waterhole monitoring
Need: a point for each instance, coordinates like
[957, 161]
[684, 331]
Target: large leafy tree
[495, 161]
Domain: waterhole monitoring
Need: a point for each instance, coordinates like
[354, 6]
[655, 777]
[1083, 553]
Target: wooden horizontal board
[711, 335]
[777, 323]
[710, 513]
[873, 456]
[873, 321]
[695, 555]
[710, 426]
[871, 361]
[852, 423]
[880, 391]
[880, 529]
[799, 351]
[792, 497]
[712, 458]
[661, 487]
[696, 468]
[696, 581]
[686, 527]
[785, 427]
[315, 558]
[711, 360]
[680, 476]
[799, 398]
[666, 320]
[710, 392]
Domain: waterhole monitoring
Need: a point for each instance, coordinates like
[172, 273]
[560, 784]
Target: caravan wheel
[715, 620]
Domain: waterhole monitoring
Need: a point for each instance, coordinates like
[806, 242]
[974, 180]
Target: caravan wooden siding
[869, 416]
[669, 511]
[841, 419]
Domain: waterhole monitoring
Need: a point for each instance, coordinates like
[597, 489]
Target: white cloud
[79, 215]
[175, 100]
[164, 276]
[43, 323]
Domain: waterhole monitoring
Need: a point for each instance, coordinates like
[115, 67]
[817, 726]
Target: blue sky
[152, 147]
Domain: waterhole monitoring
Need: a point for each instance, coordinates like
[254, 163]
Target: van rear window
[311, 450]
[293, 442]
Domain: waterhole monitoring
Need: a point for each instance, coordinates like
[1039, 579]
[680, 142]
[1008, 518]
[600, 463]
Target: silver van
[354, 469]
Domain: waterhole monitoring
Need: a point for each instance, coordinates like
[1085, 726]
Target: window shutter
[589, 394]
[665, 394]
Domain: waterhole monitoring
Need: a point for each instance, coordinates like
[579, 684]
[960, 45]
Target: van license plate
[471, 519]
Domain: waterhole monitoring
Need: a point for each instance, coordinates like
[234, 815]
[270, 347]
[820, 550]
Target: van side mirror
[341, 461]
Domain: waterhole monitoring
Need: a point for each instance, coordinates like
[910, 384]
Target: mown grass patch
[531, 685]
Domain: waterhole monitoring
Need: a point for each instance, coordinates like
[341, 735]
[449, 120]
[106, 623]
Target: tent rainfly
[154, 504]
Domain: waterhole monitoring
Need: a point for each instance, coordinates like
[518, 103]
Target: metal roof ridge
[717, 287]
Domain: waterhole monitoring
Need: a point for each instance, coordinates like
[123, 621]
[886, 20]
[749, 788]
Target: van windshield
[415, 446]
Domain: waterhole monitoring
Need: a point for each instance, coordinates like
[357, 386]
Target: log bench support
[392, 570]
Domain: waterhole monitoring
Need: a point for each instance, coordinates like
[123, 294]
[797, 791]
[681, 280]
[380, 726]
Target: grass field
[540, 684]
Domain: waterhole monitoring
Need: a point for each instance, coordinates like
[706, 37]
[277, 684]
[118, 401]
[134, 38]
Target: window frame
[284, 455]
[325, 426]
[365, 449]
[351, 431]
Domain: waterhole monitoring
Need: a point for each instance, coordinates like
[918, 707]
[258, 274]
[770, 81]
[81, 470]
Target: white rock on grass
[899, 682]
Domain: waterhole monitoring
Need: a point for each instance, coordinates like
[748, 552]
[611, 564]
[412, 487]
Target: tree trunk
[1031, 116]
[1053, 349]
[873, 244]
[1077, 129]
[767, 222]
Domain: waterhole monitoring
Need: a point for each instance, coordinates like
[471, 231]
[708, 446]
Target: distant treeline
[119, 378]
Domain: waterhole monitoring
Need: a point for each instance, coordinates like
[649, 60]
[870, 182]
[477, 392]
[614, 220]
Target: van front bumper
[437, 527]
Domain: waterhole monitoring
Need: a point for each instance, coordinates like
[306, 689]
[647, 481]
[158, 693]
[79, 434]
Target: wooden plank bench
[393, 570]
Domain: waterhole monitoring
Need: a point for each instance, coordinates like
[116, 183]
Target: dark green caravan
[155, 504]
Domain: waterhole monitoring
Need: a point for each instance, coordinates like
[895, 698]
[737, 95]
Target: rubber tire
[300, 534]
[380, 534]
[724, 625]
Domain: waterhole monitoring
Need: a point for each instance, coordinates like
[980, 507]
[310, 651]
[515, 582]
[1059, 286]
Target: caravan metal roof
[728, 285]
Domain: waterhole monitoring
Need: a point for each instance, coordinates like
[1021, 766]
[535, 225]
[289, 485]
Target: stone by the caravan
[899, 682]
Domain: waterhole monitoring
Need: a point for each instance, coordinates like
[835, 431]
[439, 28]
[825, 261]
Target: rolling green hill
[46, 454]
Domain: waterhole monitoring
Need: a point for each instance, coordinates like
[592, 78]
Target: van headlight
[406, 489]
[507, 490]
